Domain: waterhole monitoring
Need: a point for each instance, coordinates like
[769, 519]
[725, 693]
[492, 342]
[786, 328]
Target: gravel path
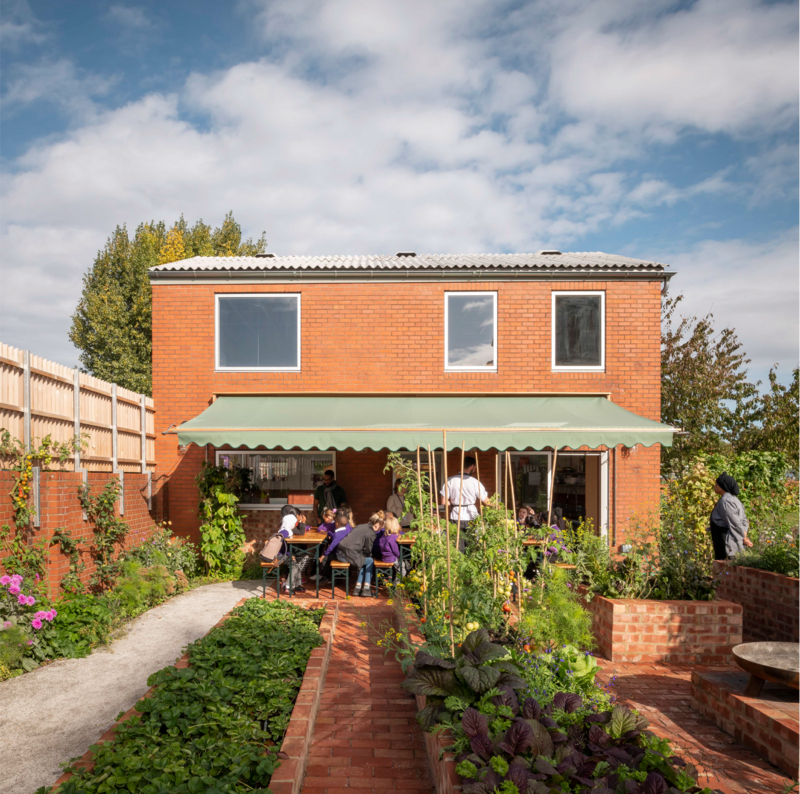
[55, 713]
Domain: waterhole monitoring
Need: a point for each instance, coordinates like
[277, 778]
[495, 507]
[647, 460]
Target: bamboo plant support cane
[434, 496]
[447, 524]
[421, 516]
[460, 500]
[552, 486]
[480, 501]
[516, 532]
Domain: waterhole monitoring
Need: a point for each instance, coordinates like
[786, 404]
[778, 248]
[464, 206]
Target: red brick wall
[390, 338]
[771, 601]
[679, 632]
[61, 509]
[768, 724]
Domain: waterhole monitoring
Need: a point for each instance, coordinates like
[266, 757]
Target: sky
[661, 130]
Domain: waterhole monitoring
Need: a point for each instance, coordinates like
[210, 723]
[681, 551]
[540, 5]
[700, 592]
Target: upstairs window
[258, 332]
[579, 331]
[470, 331]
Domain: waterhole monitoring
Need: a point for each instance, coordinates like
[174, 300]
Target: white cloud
[425, 134]
[129, 17]
[749, 286]
[19, 26]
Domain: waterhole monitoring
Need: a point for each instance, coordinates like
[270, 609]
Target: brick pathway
[662, 694]
[366, 737]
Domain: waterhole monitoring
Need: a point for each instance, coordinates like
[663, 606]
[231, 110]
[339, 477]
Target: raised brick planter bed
[296, 743]
[767, 724]
[678, 632]
[771, 601]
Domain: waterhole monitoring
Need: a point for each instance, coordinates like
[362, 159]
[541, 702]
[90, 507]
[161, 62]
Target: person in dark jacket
[728, 523]
[356, 549]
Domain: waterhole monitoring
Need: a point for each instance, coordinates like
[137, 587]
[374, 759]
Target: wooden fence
[39, 398]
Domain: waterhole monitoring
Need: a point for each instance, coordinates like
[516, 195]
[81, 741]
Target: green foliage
[164, 548]
[13, 645]
[109, 532]
[564, 668]
[112, 324]
[139, 588]
[704, 385]
[775, 551]
[553, 614]
[205, 727]
[222, 535]
[84, 621]
[70, 581]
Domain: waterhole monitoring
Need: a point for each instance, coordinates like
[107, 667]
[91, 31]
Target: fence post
[85, 480]
[26, 399]
[114, 440]
[144, 433]
[121, 493]
[76, 410]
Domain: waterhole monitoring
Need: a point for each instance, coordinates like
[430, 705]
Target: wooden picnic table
[298, 542]
[534, 541]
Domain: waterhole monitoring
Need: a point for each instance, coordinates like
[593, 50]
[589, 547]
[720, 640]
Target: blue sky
[663, 130]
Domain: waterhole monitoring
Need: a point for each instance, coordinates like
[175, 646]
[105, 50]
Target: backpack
[273, 548]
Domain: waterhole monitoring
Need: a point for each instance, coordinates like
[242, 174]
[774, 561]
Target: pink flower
[14, 590]
[16, 579]
[30, 642]
[31, 601]
[8, 624]
[37, 577]
[22, 599]
[5, 579]
[36, 623]
[53, 613]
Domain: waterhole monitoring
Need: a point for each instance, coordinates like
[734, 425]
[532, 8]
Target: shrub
[13, 645]
[554, 616]
[84, 621]
[163, 548]
[139, 588]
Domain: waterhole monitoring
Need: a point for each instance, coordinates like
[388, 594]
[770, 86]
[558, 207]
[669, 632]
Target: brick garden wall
[60, 508]
[391, 339]
[678, 632]
[771, 601]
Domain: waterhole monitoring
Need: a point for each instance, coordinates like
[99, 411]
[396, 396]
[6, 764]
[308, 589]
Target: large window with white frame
[275, 476]
[470, 331]
[578, 331]
[257, 332]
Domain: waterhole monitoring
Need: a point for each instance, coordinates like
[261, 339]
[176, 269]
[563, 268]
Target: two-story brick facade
[547, 325]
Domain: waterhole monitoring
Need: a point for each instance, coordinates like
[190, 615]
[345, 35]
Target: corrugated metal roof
[608, 263]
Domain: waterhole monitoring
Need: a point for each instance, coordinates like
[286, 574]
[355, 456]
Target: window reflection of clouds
[470, 331]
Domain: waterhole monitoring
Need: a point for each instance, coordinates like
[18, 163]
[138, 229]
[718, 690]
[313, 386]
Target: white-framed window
[276, 476]
[470, 331]
[579, 331]
[257, 332]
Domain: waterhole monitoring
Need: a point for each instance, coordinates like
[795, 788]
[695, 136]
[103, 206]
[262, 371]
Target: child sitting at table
[343, 529]
[328, 523]
[389, 548]
[294, 523]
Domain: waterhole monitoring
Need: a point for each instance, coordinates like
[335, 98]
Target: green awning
[502, 422]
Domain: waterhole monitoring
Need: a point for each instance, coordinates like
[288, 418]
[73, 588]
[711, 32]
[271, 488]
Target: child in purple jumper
[389, 548]
[328, 523]
[343, 529]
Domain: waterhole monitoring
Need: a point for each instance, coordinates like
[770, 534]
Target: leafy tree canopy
[112, 324]
[706, 392]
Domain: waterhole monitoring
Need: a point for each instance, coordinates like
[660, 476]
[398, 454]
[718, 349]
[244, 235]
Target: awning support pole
[421, 527]
[552, 487]
[435, 495]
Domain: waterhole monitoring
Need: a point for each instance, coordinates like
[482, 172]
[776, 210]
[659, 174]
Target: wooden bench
[382, 567]
[342, 569]
[271, 570]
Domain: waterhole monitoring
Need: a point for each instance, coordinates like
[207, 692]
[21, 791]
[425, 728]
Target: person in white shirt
[470, 494]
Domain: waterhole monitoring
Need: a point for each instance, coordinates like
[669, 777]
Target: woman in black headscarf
[728, 523]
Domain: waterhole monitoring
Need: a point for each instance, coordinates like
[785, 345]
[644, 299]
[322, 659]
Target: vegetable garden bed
[770, 601]
[677, 632]
[213, 721]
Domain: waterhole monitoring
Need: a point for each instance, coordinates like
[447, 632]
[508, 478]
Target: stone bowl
[778, 662]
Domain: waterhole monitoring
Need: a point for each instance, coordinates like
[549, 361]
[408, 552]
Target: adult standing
[728, 523]
[328, 494]
[469, 494]
[397, 504]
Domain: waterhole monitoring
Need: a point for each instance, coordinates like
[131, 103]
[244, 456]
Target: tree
[112, 324]
[778, 429]
[705, 391]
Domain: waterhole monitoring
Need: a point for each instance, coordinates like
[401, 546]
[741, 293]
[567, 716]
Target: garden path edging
[297, 739]
[442, 763]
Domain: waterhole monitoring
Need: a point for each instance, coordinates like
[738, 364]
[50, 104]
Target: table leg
[291, 572]
[754, 686]
[316, 556]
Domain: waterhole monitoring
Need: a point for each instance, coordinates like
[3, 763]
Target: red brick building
[528, 352]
